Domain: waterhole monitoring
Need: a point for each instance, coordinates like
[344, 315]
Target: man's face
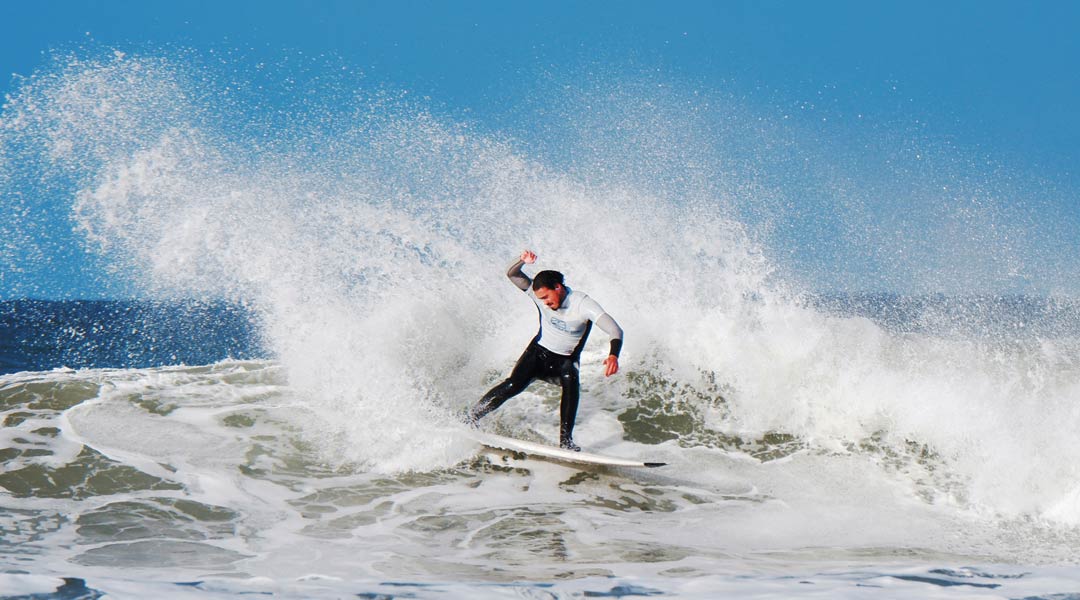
[550, 297]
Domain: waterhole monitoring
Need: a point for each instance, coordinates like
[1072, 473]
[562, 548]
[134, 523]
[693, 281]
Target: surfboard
[542, 450]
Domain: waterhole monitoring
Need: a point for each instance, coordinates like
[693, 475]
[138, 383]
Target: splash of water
[370, 239]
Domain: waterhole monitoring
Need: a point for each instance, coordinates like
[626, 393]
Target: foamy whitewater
[918, 448]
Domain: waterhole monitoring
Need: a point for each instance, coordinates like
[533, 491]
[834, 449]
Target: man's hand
[528, 257]
[611, 365]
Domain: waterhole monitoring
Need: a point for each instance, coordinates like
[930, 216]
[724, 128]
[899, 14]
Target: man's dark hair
[547, 279]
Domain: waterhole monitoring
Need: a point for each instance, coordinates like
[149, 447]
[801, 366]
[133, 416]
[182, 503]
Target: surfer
[566, 317]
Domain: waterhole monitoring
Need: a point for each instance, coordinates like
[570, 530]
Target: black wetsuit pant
[538, 362]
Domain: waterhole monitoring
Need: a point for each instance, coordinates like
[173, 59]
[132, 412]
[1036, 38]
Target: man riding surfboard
[566, 317]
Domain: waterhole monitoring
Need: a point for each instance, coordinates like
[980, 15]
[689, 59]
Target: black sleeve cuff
[616, 347]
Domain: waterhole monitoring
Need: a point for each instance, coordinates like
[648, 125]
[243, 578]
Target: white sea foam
[372, 250]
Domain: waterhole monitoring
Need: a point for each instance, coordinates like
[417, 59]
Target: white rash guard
[564, 330]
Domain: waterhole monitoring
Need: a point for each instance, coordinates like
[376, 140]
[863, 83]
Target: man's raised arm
[516, 275]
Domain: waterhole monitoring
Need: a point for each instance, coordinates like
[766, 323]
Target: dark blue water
[975, 316]
[39, 335]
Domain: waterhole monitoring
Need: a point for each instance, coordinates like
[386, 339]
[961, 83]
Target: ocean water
[321, 294]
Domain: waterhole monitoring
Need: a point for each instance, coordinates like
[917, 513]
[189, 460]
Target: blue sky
[1005, 71]
[994, 78]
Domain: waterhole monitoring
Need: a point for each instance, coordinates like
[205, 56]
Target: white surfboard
[534, 449]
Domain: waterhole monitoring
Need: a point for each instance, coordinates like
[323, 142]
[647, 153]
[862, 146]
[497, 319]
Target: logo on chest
[572, 327]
